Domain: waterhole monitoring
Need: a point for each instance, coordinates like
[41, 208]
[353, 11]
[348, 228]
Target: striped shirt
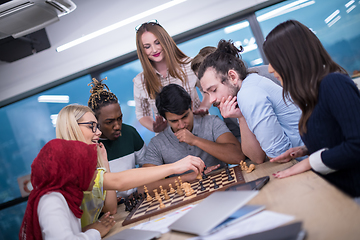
[145, 106]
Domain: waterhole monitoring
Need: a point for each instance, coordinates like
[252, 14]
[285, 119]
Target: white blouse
[57, 221]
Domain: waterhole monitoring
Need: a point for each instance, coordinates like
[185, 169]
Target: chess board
[145, 209]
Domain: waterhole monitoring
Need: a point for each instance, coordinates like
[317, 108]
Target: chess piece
[251, 168]
[134, 201]
[180, 182]
[127, 205]
[179, 190]
[202, 188]
[243, 166]
[215, 185]
[230, 178]
[161, 190]
[172, 190]
[156, 194]
[188, 190]
[199, 176]
[161, 203]
[204, 175]
[148, 197]
[166, 196]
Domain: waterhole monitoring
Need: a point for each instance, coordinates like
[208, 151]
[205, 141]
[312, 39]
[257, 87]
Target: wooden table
[326, 212]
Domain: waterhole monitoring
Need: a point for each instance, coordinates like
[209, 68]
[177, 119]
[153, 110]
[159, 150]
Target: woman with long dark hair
[329, 101]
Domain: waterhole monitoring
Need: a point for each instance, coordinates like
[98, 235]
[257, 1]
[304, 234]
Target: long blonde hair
[67, 126]
[173, 55]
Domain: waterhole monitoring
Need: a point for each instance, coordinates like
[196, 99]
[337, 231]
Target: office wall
[44, 68]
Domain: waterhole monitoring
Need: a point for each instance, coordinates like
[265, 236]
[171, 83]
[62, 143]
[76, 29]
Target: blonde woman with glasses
[77, 122]
[163, 63]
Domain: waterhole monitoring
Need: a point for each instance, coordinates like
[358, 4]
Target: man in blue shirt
[268, 124]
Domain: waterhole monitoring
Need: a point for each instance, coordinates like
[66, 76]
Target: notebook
[217, 211]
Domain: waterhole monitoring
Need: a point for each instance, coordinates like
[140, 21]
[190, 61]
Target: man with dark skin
[124, 146]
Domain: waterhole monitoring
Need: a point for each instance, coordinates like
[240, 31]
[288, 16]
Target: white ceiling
[48, 66]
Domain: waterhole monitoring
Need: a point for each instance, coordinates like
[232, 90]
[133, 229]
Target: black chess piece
[204, 175]
[230, 177]
[226, 167]
[132, 203]
[127, 205]
[136, 195]
[228, 173]
[215, 185]
[141, 196]
[202, 188]
[135, 201]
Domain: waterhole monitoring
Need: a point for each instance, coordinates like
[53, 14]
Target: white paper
[259, 222]
[162, 224]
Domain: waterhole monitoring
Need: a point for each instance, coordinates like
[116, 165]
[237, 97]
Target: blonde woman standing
[163, 63]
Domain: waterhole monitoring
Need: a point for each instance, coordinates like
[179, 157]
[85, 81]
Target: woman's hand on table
[299, 167]
[290, 154]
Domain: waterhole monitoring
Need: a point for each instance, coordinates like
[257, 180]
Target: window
[121, 84]
[28, 124]
[240, 33]
[336, 24]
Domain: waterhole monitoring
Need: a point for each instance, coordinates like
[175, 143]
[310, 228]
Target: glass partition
[336, 24]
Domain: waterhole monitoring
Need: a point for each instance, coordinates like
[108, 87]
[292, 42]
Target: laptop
[217, 211]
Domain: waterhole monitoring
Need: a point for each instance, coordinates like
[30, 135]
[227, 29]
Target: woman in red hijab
[60, 173]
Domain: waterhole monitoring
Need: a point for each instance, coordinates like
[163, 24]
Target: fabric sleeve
[142, 104]
[219, 127]
[317, 164]
[93, 201]
[262, 121]
[343, 100]
[56, 220]
[153, 154]
[140, 155]
[139, 147]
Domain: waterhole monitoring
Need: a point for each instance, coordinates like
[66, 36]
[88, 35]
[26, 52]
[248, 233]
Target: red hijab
[61, 166]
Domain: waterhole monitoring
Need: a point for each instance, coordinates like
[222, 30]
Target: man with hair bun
[268, 124]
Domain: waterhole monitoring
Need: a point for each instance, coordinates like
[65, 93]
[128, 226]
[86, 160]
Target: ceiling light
[349, 3]
[119, 24]
[54, 98]
[334, 14]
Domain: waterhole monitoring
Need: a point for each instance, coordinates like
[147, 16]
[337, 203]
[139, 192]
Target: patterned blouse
[145, 106]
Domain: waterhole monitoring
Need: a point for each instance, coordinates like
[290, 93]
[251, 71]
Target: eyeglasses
[152, 22]
[94, 126]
